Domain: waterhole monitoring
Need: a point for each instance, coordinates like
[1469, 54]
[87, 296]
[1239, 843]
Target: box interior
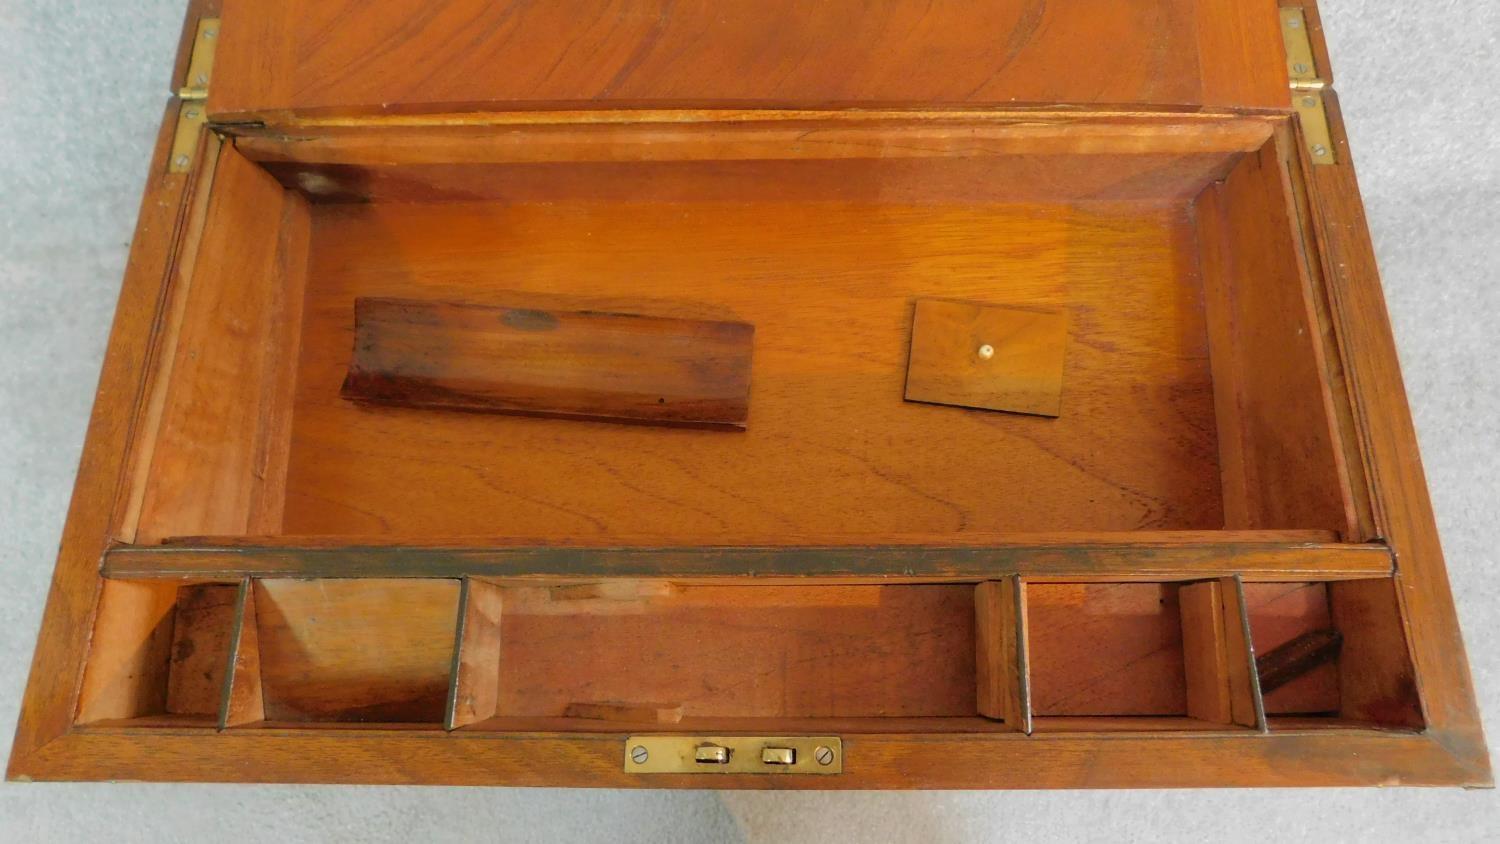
[667, 656]
[1198, 395]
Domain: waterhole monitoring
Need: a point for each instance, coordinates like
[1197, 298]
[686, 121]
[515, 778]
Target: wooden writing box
[1202, 553]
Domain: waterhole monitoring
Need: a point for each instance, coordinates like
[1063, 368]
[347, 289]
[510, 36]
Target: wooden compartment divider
[474, 689]
[1219, 659]
[1001, 671]
[244, 700]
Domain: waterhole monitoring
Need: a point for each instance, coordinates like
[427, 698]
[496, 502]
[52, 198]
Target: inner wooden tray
[1196, 391]
[850, 562]
[1017, 655]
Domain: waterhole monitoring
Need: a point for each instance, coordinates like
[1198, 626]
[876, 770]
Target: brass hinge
[1307, 84]
[193, 94]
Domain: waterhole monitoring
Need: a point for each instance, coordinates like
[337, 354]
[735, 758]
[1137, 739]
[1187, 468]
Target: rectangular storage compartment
[1141, 655]
[1341, 652]
[1195, 395]
[655, 655]
[366, 651]
[1042, 656]
[160, 653]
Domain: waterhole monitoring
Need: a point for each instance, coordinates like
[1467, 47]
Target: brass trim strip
[875, 563]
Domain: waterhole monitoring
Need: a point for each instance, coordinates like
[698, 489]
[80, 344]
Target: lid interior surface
[413, 56]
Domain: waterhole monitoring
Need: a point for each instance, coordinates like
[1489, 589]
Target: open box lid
[340, 57]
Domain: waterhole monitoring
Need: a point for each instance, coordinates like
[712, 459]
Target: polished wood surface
[1279, 613]
[52, 692]
[1280, 453]
[1106, 649]
[127, 673]
[884, 156]
[1143, 759]
[638, 713]
[1218, 660]
[744, 651]
[218, 443]
[1376, 679]
[1430, 732]
[202, 635]
[475, 689]
[552, 364]
[160, 651]
[1205, 652]
[987, 358]
[1401, 500]
[833, 453]
[402, 56]
[331, 650]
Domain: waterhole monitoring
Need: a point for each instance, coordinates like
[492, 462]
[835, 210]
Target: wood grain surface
[1001, 653]
[1106, 649]
[745, 651]
[333, 650]
[988, 358]
[475, 684]
[220, 432]
[1281, 453]
[834, 453]
[1280, 612]
[276, 63]
[408, 55]
[555, 364]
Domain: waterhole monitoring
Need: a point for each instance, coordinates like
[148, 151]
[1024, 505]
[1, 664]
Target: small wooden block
[561, 364]
[988, 357]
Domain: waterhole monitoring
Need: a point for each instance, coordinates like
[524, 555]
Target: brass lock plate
[734, 755]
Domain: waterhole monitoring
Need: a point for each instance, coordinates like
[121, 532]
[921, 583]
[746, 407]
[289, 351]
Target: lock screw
[823, 754]
[638, 755]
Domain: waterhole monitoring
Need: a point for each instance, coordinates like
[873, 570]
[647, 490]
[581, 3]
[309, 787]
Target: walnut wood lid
[411, 56]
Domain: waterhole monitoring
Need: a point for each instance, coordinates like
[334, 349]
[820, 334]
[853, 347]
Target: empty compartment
[821, 235]
[681, 657]
[1163, 655]
[158, 653]
[367, 651]
[1333, 653]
